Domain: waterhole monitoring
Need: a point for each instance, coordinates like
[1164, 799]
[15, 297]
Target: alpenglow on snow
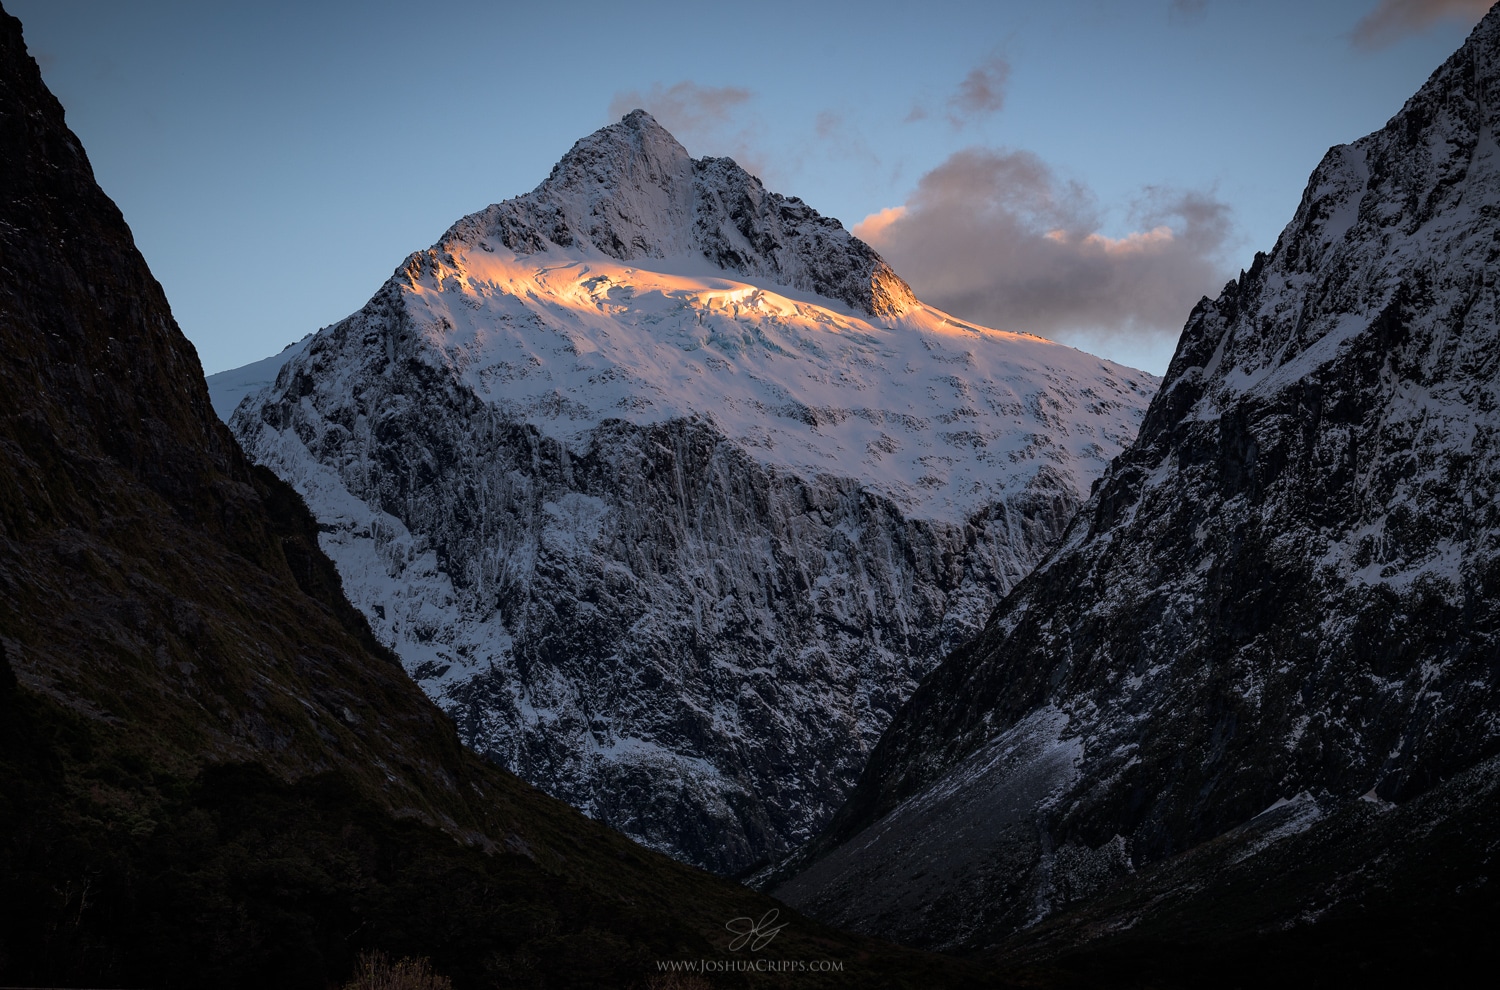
[669, 490]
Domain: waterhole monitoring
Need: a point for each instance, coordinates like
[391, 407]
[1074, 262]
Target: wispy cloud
[1394, 19]
[999, 238]
[684, 105]
[981, 93]
[706, 119]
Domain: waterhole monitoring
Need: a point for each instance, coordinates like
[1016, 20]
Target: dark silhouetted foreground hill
[210, 773]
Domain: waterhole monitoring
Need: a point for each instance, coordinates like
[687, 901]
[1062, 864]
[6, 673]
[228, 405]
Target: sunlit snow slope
[669, 490]
[939, 415]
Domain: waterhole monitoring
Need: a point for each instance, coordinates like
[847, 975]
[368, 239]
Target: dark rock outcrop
[210, 773]
[631, 191]
[1282, 596]
[671, 545]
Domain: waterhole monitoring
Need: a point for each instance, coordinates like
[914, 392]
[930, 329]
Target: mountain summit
[210, 773]
[669, 491]
[630, 191]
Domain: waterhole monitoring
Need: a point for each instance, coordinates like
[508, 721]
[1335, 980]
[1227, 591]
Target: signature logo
[756, 934]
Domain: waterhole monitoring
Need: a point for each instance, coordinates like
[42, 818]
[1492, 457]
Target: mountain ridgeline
[1256, 686]
[630, 192]
[211, 774]
[668, 490]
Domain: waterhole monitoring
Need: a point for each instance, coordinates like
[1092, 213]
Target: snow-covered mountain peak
[631, 192]
[668, 489]
[635, 146]
[1286, 586]
[1419, 194]
[626, 189]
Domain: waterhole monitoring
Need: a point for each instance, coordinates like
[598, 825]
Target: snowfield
[669, 490]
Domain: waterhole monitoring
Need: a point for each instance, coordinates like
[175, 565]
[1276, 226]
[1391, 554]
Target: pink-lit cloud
[1394, 19]
[686, 105]
[1136, 242]
[1000, 238]
[872, 229]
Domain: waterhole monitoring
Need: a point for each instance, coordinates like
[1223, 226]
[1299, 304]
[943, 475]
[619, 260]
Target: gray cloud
[981, 93]
[999, 238]
[684, 105]
[1394, 19]
[706, 119]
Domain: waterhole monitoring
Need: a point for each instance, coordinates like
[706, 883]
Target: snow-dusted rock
[669, 492]
[1285, 590]
[630, 192]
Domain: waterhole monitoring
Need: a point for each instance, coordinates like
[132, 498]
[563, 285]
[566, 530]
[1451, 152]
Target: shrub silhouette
[376, 972]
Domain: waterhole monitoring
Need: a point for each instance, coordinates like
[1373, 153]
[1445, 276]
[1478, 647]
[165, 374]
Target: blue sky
[1079, 168]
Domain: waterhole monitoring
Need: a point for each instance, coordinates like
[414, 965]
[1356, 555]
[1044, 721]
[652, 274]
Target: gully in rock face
[669, 490]
[1264, 655]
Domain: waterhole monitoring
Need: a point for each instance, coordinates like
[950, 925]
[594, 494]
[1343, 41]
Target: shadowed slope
[669, 534]
[1280, 601]
[210, 774]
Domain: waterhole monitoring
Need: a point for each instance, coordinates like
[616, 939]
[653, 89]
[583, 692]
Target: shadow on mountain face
[1244, 722]
[210, 772]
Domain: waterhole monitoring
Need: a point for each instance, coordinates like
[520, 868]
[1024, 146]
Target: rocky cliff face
[630, 192]
[210, 772]
[669, 534]
[1281, 596]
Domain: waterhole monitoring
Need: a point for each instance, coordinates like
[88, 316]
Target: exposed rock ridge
[631, 191]
[663, 538]
[210, 775]
[110, 445]
[648, 621]
[1284, 590]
